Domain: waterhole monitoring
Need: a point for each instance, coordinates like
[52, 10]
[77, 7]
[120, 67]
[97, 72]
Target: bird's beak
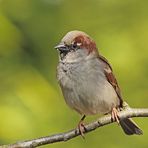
[61, 47]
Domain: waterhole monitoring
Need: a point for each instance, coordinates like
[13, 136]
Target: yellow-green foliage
[31, 104]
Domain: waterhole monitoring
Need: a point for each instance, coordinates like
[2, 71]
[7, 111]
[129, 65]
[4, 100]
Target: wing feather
[111, 77]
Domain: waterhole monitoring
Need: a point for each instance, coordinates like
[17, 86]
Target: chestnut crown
[76, 40]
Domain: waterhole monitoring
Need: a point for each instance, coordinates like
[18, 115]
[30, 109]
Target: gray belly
[86, 93]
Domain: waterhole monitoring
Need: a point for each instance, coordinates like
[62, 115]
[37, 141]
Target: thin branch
[128, 113]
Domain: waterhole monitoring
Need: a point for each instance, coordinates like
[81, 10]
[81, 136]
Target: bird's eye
[75, 45]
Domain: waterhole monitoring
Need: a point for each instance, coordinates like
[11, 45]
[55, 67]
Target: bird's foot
[81, 128]
[115, 115]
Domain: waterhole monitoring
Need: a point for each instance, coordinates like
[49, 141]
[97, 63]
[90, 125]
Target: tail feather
[130, 127]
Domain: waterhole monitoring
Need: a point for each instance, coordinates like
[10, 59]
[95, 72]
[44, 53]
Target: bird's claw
[115, 115]
[81, 128]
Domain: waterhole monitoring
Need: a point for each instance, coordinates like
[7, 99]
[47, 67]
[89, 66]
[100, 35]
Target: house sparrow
[87, 81]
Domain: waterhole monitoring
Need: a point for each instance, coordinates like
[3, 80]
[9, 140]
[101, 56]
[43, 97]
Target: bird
[87, 81]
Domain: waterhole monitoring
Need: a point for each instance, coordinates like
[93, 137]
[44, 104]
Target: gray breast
[85, 87]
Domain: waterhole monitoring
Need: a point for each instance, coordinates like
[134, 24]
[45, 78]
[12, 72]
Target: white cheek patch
[79, 44]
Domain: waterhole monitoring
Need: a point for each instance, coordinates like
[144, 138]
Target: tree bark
[127, 113]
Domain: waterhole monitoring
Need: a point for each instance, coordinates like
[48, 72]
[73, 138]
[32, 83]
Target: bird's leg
[114, 115]
[81, 126]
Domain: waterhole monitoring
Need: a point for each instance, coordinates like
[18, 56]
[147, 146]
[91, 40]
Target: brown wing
[111, 78]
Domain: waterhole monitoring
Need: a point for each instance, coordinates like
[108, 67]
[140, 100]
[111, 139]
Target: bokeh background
[31, 103]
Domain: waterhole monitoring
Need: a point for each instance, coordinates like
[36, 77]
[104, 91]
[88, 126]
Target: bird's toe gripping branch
[115, 115]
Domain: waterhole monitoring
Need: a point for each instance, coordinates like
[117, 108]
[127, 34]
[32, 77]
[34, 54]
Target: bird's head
[75, 46]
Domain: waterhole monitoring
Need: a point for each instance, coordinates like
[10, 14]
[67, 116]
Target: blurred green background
[31, 103]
